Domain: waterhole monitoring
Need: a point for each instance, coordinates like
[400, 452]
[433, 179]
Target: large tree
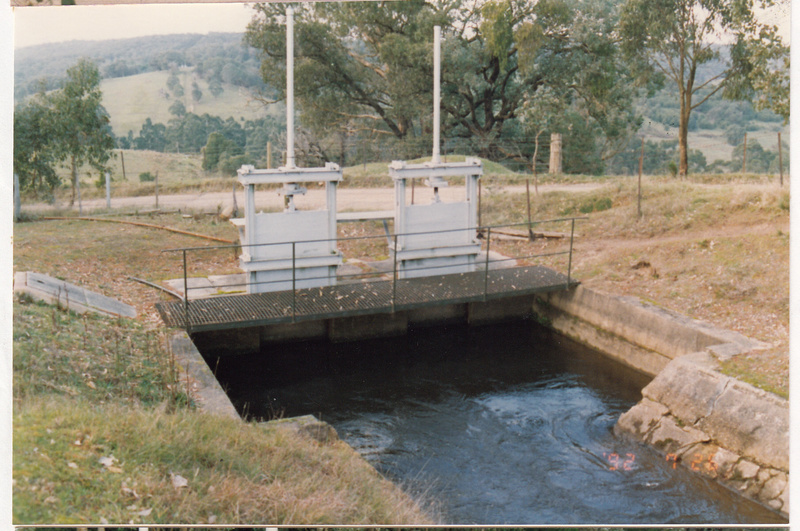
[35, 153]
[82, 124]
[672, 39]
[369, 66]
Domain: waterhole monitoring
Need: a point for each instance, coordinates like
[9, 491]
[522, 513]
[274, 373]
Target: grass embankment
[714, 248]
[105, 428]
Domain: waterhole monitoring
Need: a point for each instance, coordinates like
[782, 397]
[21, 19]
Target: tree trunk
[74, 179]
[683, 135]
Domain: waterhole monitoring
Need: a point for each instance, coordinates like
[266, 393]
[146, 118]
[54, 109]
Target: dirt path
[348, 199]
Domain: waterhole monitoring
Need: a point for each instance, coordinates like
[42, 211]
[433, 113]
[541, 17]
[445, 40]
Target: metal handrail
[395, 247]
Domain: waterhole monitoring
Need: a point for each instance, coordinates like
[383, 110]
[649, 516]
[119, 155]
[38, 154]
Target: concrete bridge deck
[359, 298]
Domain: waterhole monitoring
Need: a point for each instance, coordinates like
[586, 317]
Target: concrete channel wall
[696, 416]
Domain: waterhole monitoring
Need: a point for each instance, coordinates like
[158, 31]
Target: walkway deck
[360, 298]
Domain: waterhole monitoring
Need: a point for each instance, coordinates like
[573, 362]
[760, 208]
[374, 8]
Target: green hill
[131, 100]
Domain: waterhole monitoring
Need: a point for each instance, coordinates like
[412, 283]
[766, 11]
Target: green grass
[91, 387]
[98, 358]
[131, 100]
[235, 473]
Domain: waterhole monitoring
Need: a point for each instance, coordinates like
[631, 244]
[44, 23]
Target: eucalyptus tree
[367, 66]
[672, 39]
[35, 151]
[81, 123]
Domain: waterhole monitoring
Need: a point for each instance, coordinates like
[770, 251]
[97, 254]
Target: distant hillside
[131, 100]
[125, 57]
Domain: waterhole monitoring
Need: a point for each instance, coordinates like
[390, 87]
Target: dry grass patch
[79, 463]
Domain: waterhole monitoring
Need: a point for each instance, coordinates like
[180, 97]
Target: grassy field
[714, 248]
[131, 100]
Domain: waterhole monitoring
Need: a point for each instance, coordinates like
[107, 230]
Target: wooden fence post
[780, 158]
[641, 163]
[744, 156]
[555, 153]
[122, 159]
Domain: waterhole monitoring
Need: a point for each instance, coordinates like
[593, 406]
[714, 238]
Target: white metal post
[437, 81]
[290, 87]
[108, 190]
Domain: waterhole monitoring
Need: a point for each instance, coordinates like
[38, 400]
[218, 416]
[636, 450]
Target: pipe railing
[395, 247]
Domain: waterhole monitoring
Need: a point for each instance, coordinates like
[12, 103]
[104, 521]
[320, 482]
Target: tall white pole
[437, 60]
[289, 87]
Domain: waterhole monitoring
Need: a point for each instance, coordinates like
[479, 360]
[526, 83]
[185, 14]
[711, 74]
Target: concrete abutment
[709, 422]
[714, 424]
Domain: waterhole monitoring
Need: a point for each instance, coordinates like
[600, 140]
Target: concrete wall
[636, 333]
[251, 340]
[698, 417]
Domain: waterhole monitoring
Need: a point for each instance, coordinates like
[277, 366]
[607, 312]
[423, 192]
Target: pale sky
[40, 24]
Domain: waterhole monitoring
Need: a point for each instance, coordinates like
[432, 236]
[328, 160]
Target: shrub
[146, 177]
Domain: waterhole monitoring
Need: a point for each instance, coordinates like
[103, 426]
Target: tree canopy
[368, 68]
[67, 125]
[672, 39]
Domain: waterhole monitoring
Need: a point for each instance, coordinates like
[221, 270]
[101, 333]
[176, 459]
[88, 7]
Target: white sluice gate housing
[439, 238]
[293, 248]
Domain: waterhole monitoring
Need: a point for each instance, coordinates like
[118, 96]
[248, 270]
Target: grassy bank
[714, 250]
[105, 426]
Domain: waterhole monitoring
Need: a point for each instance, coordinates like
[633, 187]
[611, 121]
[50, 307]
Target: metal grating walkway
[344, 300]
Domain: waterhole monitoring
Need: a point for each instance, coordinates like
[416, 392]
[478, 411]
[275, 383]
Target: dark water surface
[501, 424]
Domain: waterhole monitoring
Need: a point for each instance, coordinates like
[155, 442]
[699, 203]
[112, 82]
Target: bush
[146, 177]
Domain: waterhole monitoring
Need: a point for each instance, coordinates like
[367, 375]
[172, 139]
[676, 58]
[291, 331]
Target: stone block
[746, 469]
[641, 418]
[752, 423]
[672, 438]
[688, 390]
[726, 461]
[774, 487]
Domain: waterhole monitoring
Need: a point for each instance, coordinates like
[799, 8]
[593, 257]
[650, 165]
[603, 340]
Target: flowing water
[501, 424]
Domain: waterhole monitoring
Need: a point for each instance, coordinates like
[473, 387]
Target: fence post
[555, 153]
[294, 281]
[486, 272]
[528, 197]
[780, 158]
[108, 190]
[639, 199]
[122, 159]
[269, 155]
[394, 275]
[744, 156]
[156, 190]
[17, 200]
[185, 294]
[479, 202]
[569, 265]
[235, 205]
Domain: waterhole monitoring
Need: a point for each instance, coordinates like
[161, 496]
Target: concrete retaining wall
[698, 417]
